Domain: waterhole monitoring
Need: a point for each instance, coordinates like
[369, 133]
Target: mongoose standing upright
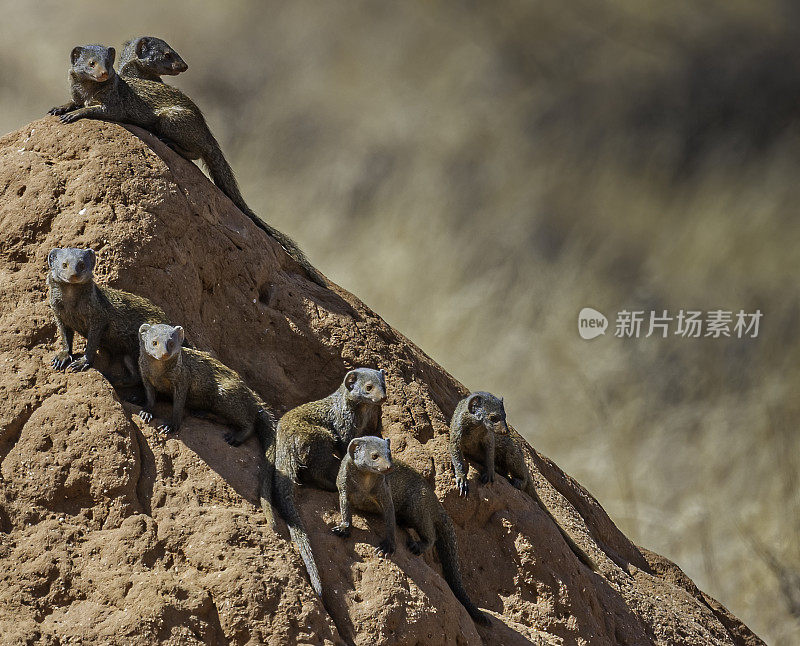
[309, 440]
[98, 92]
[108, 318]
[195, 378]
[371, 481]
[479, 430]
[150, 58]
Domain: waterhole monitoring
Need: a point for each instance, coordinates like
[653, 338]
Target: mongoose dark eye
[92, 63]
[368, 387]
[375, 456]
[64, 265]
[168, 56]
[155, 343]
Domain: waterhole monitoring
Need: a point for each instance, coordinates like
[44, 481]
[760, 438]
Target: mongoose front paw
[413, 547]
[57, 111]
[69, 117]
[166, 429]
[61, 360]
[146, 415]
[487, 477]
[341, 530]
[385, 548]
[79, 365]
[516, 483]
[230, 438]
[463, 486]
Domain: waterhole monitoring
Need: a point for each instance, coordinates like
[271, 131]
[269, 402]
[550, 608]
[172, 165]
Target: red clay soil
[111, 533]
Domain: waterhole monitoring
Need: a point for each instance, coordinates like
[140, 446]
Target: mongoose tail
[284, 483]
[265, 488]
[222, 174]
[530, 489]
[446, 548]
[266, 432]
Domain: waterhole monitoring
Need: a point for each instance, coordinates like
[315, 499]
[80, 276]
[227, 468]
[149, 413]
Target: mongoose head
[371, 454]
[157, 56]
[488, 410]
[160, 341]
[366, 385]
[93, 62]
[72, 265]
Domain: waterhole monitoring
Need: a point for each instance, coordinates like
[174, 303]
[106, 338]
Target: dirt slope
[112, 534]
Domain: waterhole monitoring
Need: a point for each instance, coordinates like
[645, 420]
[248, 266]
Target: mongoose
[98, 92]
[362, 480]
[310, 440]
[108, 318]
[150, 58]
[479, 430]
[196, 379]
[371, 481]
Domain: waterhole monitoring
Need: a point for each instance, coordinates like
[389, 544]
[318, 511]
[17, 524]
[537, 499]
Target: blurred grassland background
[478, 172]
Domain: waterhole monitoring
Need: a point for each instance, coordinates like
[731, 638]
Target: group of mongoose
[334, 443]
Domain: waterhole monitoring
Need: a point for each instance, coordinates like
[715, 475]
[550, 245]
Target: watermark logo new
[636, 324]
[591, 323]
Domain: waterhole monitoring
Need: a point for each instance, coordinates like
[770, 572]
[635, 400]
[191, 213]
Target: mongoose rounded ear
[52, 257]
[474, 403]
[351, 448]
[90, 258]
[388, 445]
[75, 55]
[112, 54]
[143, 328]
[141, 43]
[179, 334]
[350, 379]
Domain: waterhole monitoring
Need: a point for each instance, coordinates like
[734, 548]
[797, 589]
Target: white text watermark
[694, 324]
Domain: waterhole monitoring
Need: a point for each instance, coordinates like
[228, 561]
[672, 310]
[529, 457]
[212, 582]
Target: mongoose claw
[69, 117]
[61, 360]
[487, 477]
[413, 547]
[341, 530]
[166, 429]
[79, 365]
[385, 548]
[230, 438]
[463, 487]
[516, 483]
[146, 415]
[57, 111]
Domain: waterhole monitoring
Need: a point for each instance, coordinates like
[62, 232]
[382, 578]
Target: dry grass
[479, 172]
